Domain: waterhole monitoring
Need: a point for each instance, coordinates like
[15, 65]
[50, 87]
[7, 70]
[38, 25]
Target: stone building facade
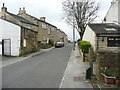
[46, 31]
[109, 61]
[34, 31]
[62, 36]
[29, 32]
[105, 39]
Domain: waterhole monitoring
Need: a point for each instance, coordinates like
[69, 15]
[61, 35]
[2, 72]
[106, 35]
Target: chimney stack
[42, 18]
[22, 11]
[4, 9]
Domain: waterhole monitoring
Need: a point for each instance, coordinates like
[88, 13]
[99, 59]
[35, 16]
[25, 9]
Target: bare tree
[82, 11]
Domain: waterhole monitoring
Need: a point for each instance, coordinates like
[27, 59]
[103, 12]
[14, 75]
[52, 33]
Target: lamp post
[73, 28]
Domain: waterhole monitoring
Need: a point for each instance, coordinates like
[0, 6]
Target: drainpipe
[97, 46]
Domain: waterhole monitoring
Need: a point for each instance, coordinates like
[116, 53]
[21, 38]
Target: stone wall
[31, 41]
[102, 45]
[109, 61]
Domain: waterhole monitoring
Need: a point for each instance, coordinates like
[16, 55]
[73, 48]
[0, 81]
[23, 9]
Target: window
[52, 29]
[44, 38]
[44, 26]
[49, 31]
[24, 43]
[29, 27]
[113, 41]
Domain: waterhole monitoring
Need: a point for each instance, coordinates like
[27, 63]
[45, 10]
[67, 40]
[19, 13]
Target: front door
[6, 47]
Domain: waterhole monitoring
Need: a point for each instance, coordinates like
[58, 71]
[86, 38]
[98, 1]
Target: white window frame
[52, 29]
[44, 26]
[24, 43]
[49, 31]
[44, 37]
[29, 27]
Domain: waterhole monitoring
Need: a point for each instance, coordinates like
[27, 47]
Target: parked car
[59, 44]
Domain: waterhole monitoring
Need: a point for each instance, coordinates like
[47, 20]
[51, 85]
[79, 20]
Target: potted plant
[117, 80]
[109, 78]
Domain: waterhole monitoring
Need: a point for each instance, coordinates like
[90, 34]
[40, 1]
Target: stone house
[46, 31]
[61, 36]
[103, 36]
[27, 35]
[65, 37]
[105, 39]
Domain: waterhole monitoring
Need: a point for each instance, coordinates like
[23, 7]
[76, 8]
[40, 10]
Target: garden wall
[109, 61]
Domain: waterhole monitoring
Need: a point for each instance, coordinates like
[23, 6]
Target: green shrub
[51, 42]
[108, 73]
[84, 46]
[35, 49]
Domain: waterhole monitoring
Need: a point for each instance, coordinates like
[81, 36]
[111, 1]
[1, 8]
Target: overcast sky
[52, 10]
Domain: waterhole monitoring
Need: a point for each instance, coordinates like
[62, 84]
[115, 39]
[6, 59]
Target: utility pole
[73, 27]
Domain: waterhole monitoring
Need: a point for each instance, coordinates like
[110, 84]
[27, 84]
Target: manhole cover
[77, 56]
[78, 78]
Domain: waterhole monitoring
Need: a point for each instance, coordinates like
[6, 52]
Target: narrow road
[42, 71]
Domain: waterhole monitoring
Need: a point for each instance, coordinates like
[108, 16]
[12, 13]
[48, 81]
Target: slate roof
[21, 19]
[62, 32]
[17, 24]
[41, 20]
[105, 28]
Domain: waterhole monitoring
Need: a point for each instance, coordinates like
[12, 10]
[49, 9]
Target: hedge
[84, 46]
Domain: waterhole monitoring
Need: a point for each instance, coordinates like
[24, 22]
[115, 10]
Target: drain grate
[78, 78]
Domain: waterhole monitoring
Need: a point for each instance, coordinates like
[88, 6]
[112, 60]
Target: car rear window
[58, 42]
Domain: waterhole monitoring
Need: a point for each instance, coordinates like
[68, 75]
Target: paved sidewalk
[12, 60]
[75, 72]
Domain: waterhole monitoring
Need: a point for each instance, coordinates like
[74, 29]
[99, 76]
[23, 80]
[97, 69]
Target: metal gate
[6, 47]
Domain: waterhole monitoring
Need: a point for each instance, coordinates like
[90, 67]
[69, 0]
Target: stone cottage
[26, 32]
[46, 31]
[105, 39]
[61, 36]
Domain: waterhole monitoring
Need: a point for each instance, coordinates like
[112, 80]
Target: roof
[40, 20]
[21, 19]
[105, 28]
[16, 24]
[62, 32]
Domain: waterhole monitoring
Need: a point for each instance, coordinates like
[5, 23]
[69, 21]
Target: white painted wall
[0, 60]
[113, 13]
[13, 32]
[0, 39]
[119, 11]
[89, 35]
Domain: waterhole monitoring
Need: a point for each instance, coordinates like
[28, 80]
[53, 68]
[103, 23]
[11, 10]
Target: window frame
[113, 42]
[44, 26]
[49, 30]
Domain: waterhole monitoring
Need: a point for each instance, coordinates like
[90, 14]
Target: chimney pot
[22, 11]
[42, 18]
[4, 9]
[3, 4]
